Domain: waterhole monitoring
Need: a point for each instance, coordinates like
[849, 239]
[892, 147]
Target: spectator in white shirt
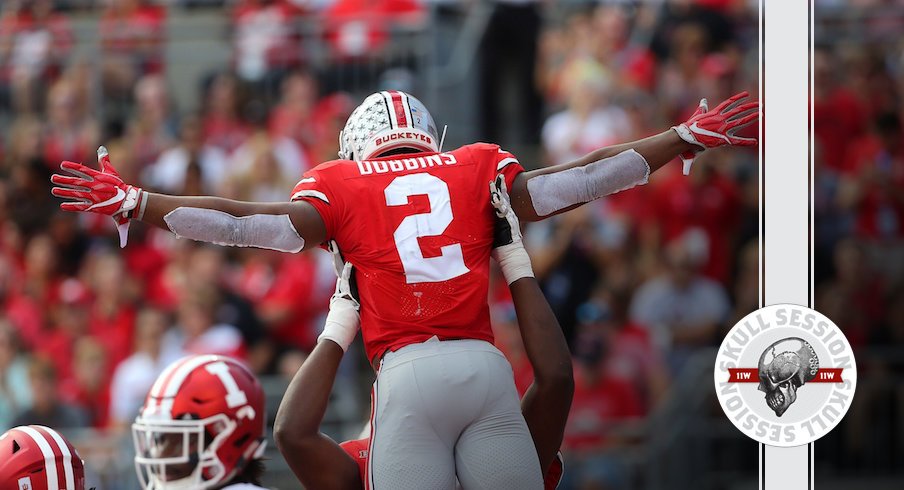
[15, 390]
[134, 376]
[589, 122]
[682, 308]
[197, 329]
[190, 164]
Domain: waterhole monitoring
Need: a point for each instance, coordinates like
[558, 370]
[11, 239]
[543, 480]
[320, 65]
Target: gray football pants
[449, 408]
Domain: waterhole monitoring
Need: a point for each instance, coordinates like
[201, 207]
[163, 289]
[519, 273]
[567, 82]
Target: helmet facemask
[180, 454]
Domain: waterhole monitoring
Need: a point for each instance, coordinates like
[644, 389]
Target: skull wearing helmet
[784, 367]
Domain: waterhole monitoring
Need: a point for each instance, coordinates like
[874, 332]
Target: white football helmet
[385, 121]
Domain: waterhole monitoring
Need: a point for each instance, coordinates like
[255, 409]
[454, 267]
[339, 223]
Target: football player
[406, 215]
[34, 457]
[319, 462]
[201, 427]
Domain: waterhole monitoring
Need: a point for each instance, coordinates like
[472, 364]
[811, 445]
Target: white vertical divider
[785, 195]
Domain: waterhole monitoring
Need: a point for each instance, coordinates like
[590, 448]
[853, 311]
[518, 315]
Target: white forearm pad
[341, 323]
[514, 262]
[270, 231]
[557, 191]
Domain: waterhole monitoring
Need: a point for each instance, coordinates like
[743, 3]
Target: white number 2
[450, 263]
[235, 397]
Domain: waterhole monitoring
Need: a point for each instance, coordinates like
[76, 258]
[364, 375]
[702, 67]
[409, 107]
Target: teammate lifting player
[406, 216]
[319, 462]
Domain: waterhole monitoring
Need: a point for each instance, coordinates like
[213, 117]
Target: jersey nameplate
[368, 167]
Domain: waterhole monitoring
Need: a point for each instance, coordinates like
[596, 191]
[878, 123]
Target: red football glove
[712, 128]
[101, 192]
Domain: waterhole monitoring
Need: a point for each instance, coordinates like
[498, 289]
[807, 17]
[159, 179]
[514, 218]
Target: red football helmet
[35, 457]
[201, 423]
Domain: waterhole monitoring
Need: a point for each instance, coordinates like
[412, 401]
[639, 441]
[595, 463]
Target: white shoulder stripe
[182, 372]
[307, 180]
[49, 463]
[157, 388]
[311, 193]
[502, 164]
[67, 456]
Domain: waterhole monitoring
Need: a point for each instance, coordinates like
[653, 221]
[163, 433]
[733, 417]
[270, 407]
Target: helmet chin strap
[443, 137]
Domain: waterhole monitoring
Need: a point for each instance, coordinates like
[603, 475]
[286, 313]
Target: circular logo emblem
[785, 375]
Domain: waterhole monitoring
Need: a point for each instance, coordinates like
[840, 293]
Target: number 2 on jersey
[450, 263]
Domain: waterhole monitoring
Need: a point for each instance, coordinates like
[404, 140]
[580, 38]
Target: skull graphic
[784, 367]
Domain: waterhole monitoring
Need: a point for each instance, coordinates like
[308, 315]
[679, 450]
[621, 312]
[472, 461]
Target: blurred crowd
[859, 212]
[640, 281]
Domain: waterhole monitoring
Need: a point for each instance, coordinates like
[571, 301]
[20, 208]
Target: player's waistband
[434, 346]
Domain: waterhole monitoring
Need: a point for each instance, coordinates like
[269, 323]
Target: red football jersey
[358, 450]
[418, 228]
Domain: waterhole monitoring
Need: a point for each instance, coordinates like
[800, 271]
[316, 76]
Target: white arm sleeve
[557, 191]
[270, 231]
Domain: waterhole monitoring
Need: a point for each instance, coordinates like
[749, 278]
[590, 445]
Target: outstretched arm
[257, 229]
[283, 226]
[549, 191]
[317, 460]
[546, 404]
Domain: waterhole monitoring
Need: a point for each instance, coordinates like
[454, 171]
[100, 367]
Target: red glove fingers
[730, 102]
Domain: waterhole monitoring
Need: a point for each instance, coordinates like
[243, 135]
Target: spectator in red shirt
[69, 322]
[283, 289]
[223, 125]
[69, 134]
[330, 115]
[89, 386]
[706, 199]
[38, 291]
[839, 116]
[358, 34]
[360, 28]
[631, 354]
[294, 116]
[131, 33]
[34, 44]
[112, 317]
[599, 422]
[871, 188]
[265, 40]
